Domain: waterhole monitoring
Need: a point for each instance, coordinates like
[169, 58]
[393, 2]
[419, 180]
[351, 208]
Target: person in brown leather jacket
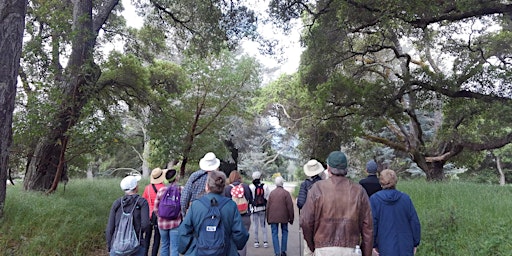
[337, 215]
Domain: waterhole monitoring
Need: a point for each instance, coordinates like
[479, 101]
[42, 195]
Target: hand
[415, 248]
[375, 252]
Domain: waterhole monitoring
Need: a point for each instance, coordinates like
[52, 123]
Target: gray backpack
[125, 239]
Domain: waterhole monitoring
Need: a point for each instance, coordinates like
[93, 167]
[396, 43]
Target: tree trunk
[500, 170]
[435, 171]
[12, 25]
[77, 87]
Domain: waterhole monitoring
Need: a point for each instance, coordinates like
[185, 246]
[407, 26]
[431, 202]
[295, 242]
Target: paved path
[294, 247]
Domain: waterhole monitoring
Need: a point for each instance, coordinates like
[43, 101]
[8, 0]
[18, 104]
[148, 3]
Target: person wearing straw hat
[156, 182]
[168, 227]
[130, 200]
[313, 169]
[196, 183]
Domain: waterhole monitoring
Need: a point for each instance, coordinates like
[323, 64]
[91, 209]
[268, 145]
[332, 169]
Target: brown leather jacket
[337, 213]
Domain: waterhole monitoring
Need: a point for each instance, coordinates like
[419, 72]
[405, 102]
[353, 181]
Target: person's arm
[111, 224]
[303, 193]
[307, 220]
[144, 214]
[186, 195]
[186, 232]
[415, 225]
[247, 193]
[366, 223]
[158, 198]
[289, 206]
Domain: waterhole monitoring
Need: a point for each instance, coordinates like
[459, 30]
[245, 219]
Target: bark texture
[12, 24]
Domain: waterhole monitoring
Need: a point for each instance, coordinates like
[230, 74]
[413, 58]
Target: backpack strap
[200, 176]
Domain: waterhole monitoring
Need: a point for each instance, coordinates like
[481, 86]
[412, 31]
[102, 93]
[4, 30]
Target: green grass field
[457, 218]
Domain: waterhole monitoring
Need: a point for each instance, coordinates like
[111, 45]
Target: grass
[457, 218]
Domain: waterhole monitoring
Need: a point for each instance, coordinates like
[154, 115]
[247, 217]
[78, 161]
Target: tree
[12, 23]
[200, 113]
[417, 77]
[71, 32]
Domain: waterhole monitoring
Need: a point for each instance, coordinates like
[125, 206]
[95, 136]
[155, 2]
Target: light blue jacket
[230, 217]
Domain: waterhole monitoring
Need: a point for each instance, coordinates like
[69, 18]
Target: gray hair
[337, 172]
[216, 182]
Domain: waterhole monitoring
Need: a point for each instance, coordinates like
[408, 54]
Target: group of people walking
[336, 215]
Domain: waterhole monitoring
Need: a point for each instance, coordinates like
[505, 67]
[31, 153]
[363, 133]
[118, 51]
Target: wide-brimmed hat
[157, 176]
[313, 167]
[129, 182]
[209, 162]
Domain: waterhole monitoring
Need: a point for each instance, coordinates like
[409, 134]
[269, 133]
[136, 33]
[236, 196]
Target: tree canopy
[422, 78]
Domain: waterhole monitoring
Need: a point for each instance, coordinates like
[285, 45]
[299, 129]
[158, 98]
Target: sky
[287, 62]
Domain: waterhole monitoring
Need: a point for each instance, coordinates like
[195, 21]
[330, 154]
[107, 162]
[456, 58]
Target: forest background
[421, 87]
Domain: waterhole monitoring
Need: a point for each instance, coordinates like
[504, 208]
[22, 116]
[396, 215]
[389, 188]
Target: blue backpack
[211, 239]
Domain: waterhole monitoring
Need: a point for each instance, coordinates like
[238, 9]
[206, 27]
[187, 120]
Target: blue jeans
[275, 237]
[140, 252]
[169, 242]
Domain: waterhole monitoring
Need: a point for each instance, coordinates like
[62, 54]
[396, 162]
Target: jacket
[337, 213]
[397, 229]
[230, 217]
[371, 184]
[304, 188]
[140, 217]
[280, 206]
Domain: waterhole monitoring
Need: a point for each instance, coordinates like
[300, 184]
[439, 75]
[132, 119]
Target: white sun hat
[129, 182]
[209, 162]
[312, 168]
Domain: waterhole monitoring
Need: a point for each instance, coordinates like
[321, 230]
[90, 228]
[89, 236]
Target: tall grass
[456, 218]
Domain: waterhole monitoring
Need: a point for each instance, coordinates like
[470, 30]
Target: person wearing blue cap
[371, 183]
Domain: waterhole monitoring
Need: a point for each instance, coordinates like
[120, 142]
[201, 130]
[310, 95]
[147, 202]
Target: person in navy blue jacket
[396, 226]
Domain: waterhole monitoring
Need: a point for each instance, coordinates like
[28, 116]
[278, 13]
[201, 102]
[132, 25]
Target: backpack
[259, 196]
[125, 239]
[237, 194]
[212, 236]
[169, 206]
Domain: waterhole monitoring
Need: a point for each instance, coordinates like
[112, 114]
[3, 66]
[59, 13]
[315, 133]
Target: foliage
[416, 77]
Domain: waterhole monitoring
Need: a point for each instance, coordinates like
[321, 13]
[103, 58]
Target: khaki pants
[335, 251]
[307, 251]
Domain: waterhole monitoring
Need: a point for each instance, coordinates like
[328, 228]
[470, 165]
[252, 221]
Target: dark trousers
[156, 240]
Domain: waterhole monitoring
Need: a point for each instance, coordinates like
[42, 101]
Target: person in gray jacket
[140, 213]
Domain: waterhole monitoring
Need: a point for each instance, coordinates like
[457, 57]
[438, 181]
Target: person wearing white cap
[130, 200]
[313, 169]
[156, 182]
[260, 193]
[196, 183]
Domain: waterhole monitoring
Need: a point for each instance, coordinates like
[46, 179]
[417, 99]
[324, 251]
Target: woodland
[423, 87]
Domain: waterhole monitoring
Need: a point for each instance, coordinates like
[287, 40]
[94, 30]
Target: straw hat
[157, 176]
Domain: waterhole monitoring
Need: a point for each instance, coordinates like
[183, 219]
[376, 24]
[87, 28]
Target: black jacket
[304, 188]
[371, 184]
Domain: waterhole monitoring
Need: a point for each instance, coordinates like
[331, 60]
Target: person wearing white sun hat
[196, 183]
[313, 169]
